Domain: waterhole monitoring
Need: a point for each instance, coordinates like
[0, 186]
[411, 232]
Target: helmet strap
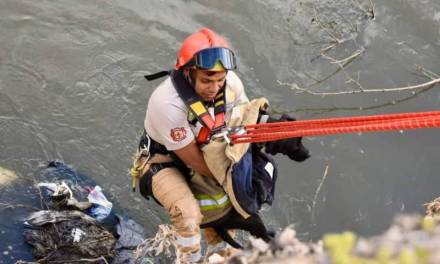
[189, 75]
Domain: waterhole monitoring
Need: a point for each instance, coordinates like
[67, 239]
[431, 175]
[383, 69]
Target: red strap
[219, 120]
[204, 133]
[331, 126]
[207, 119]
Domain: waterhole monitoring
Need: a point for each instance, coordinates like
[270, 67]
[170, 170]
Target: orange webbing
[330, 126]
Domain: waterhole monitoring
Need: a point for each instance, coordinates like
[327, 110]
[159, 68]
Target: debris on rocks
[285, 248]
[433, 208]
[67, 236]
[410, 239]
[74, 231]
[163, 243]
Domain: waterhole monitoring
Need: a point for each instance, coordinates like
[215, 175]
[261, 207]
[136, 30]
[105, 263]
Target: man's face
[208, 83]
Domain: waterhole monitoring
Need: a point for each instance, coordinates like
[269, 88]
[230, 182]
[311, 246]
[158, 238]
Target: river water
[71, 88]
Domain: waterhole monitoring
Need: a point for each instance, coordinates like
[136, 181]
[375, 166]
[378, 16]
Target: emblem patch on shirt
[178, 133]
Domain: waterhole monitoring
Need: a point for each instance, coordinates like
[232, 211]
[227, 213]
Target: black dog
[254, 225]
[291, 147]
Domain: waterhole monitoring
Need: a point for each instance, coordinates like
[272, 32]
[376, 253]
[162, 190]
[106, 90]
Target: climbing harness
[282, 130]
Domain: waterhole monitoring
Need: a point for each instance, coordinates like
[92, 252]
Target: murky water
[71, 88]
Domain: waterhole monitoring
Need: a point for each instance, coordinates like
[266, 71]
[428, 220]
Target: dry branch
[338, 38]
[381, 90]
[163, 242]
[315, 197]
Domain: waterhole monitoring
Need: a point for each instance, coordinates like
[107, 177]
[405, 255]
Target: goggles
[207, 59]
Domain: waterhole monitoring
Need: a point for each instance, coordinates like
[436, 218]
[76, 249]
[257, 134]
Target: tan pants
[171, 189]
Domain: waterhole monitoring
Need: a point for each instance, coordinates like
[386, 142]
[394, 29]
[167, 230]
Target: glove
[291, 147]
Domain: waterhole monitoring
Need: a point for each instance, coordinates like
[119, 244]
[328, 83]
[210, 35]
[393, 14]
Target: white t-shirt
[166, 120]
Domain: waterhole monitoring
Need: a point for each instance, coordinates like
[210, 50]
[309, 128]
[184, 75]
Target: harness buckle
[222, 134]
[237, 130]
[226, 132]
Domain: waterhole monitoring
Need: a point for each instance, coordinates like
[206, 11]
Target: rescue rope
[330, 126]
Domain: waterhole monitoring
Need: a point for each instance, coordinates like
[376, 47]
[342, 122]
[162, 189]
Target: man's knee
[185, 213]
[186, 218]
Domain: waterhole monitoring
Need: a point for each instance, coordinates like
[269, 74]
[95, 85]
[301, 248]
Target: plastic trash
[70, 232]
[57, 189]
[59, 196]
[101, 206]
[77, 234]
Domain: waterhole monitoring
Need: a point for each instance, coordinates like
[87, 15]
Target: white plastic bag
[101, 206]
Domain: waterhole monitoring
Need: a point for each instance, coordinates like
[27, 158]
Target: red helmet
[201, 40]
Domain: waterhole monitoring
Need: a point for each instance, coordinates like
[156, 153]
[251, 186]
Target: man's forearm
[192, 156]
